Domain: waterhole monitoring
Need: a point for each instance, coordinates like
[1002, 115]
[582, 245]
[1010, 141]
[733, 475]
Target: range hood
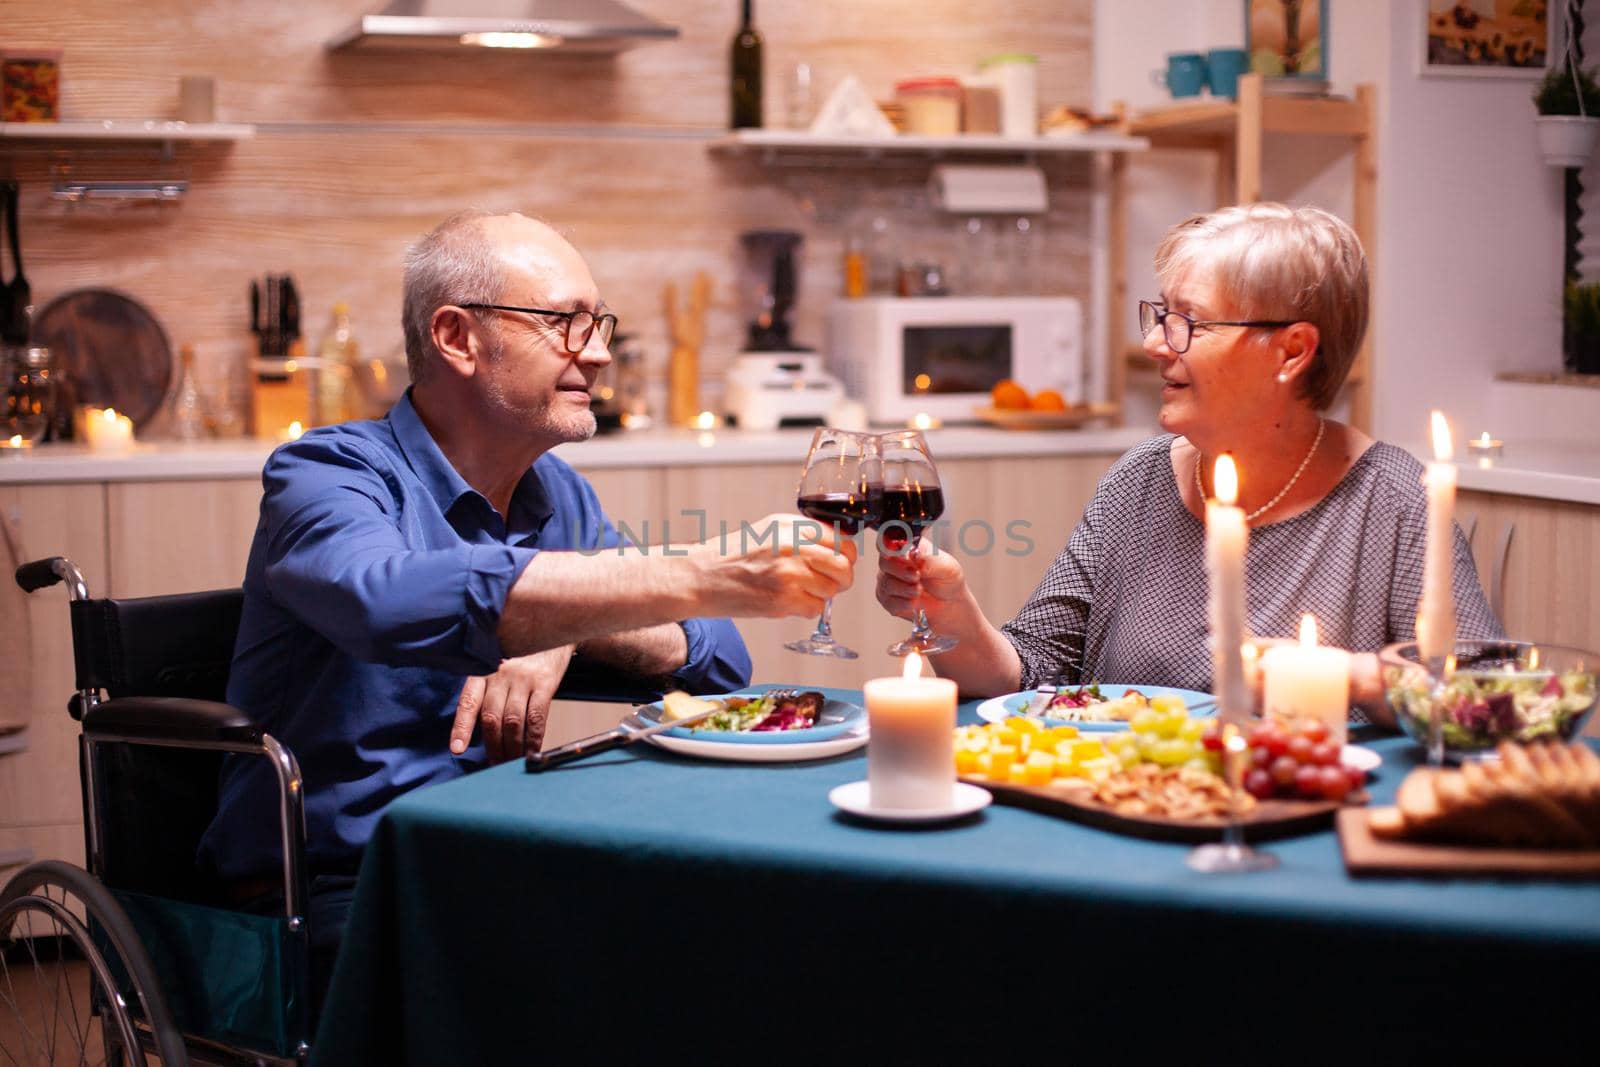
[563, 25]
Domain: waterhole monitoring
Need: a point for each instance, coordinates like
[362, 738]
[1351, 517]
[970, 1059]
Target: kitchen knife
[291, 311]
[621, 735]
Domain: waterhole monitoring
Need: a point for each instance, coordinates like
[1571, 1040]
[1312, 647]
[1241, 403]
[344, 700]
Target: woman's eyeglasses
[1178, 328]
[581, 325]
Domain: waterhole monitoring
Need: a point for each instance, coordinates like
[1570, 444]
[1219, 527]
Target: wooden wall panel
[357, 155]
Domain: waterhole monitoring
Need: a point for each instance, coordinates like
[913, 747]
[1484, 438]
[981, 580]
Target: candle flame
[1533, 659]
[1441, 437]
[913, 667]
[16, 440]
[1484, 439]
[1308, 630]
[1226, 479]
[706, 420]
[295, 430]
[109, 414]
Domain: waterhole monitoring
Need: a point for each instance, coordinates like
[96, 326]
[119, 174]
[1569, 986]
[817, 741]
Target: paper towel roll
[969, 189]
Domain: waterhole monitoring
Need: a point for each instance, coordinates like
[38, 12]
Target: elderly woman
[1261, 312]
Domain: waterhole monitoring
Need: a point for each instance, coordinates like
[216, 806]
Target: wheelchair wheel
[76, 986]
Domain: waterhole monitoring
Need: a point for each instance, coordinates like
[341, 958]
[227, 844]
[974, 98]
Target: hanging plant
[1568, 99]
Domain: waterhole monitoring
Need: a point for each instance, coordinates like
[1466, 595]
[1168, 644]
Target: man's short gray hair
[455, 263]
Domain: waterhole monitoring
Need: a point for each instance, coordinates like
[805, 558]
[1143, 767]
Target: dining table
[643, 906]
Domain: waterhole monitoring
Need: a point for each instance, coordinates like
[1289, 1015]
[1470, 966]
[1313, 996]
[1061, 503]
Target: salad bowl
[1498, 690]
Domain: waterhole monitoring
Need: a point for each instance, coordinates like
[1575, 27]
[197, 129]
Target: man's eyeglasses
[581, 325]
[1179, 328]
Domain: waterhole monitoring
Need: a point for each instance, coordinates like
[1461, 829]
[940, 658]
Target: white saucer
[1360, 757]
[856, 798]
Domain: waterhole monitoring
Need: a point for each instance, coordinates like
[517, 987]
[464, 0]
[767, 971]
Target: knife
[614, 738]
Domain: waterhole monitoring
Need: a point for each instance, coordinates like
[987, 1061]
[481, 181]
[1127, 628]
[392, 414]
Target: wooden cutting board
[1368, 855]
[1270, 819]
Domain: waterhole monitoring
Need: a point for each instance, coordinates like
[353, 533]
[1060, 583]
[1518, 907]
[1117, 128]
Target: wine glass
[911, 500]
[836, 490]
[1232, 855]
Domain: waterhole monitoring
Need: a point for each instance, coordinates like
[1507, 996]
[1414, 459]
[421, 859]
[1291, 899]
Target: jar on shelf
[30, 394]
[932, 106]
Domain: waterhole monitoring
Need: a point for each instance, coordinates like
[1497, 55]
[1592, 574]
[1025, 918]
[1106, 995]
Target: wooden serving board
[1365, 854]
[1270, 819]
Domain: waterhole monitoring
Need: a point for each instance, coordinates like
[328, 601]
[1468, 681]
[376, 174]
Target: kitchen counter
[1547, 469]
[243, 458]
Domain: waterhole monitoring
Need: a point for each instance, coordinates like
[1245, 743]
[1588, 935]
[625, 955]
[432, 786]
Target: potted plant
[1568, 100]
[1580, 327]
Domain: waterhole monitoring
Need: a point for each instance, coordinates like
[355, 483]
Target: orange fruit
[1008, 394]
[1048, 400]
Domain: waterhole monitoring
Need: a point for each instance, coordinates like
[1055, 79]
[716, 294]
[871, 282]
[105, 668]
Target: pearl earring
[1283, 378]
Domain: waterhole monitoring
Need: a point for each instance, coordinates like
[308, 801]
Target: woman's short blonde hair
[1271, 261]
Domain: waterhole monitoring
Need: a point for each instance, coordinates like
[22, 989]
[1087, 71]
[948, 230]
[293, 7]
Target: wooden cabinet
[179, 537]
[1235, 132]
[1539, 562]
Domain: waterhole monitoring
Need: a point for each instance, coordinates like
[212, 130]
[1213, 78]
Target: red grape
[1260, 757]
[1300, 748]
[1275, 742]
[1283, 770]
[1315, 729]
[1258, 783]
[1308, 781]
[1356, 777]
[1325, 753]
[1334, 782]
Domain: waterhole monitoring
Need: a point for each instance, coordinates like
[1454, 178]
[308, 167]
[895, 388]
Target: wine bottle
[746, 74]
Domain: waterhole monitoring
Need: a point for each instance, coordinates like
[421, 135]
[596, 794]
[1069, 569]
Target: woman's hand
[925, 578]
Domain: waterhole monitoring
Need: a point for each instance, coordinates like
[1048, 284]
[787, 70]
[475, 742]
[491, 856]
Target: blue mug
[1223, 67]
[1185, 74]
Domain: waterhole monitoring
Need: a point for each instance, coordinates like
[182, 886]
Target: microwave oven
[941, 356]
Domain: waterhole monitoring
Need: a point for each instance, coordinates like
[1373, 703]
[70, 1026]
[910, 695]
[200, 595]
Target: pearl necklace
[1322, 425]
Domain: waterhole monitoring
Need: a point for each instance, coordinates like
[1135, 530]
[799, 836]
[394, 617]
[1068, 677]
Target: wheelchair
[142, 954]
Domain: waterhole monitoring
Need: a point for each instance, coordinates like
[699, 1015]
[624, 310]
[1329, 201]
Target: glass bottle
[336, 360]
[188, 415]
[30, 393]
[746, 74]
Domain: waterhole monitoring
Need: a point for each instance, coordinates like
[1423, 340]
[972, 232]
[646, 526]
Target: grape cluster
[1296, 760]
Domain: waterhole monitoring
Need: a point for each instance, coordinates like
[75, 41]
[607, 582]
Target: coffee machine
[774, 381]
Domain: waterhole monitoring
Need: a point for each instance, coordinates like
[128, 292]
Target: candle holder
[1487, 450]
[1232, 855]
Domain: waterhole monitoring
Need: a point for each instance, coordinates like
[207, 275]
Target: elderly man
[413, 577]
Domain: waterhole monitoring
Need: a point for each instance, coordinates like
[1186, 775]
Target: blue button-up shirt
[374, 586]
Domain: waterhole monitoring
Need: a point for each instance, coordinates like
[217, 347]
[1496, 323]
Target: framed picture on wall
[1489, 38]
[1287, 39]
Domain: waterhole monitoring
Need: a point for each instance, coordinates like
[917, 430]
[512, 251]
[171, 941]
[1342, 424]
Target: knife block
[280, 393]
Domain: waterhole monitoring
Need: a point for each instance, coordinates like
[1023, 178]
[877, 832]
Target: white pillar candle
[1227, 537]
[1308, 680]
[1436, 614]
[108, 431]
[911, 756]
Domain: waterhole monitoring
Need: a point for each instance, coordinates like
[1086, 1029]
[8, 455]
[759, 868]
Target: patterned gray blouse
[1125, 602]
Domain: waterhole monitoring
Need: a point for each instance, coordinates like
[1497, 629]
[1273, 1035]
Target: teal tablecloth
[643, 906]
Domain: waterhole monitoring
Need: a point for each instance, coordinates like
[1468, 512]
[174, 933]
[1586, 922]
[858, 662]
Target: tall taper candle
[1436, 614]
[1227, 536]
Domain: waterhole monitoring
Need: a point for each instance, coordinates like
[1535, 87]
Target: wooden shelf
[776, 141]
[1320, 115]
[126, 130]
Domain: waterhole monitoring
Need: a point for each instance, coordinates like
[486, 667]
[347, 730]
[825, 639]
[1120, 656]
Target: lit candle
[291, 432]
[1227, 536]
[1436, 614]
[15, 445]
[923, 421]
[911, 755]
[706, 420]
[1308, 680]
[108, 431]
[1485, 448]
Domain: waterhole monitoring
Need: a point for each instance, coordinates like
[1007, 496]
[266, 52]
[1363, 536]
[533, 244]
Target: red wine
[848, 511]
[914, 506]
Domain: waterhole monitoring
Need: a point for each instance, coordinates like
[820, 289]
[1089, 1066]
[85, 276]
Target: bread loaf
[1545, 795]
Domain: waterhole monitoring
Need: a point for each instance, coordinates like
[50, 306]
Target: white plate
[998, 709]
[855, 798]
[1360, 757]
[726, 750]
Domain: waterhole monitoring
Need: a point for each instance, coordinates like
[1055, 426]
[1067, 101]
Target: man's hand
[782, 565]
[925, 578]
[512, 704]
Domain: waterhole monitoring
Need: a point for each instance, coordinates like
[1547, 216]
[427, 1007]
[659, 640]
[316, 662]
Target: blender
[775, 382]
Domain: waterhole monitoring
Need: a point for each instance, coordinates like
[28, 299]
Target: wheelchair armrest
[171, 720]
